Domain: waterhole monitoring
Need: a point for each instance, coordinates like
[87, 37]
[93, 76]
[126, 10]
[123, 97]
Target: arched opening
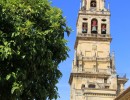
[84, 28]
[105, 80]
[94, 26]
[103, 28]
[91, 86]
[93, 3]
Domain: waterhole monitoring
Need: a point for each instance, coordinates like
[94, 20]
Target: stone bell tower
[93, 75]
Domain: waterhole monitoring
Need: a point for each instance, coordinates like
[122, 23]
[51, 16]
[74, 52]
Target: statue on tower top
[83, 4]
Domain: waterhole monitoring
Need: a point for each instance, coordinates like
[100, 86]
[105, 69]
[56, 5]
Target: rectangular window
[92, 86]
[84, 28]
[106, 87]
[105, 80]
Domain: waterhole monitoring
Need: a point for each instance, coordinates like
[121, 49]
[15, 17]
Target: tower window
[83, 86]
[106, 87]
[103, 28]
[91, 86]
[105, 80]
[94, 26]
[84, 28]
[93, 3]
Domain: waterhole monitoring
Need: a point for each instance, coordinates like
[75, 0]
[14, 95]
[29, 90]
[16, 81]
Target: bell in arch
[94, 25]
[94, 28]
[93, 3]
[103, 28]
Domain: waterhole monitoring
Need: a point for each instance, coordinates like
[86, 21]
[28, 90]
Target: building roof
[123, 94]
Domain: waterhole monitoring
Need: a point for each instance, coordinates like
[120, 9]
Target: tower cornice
[91, 12]
[90, 75]
[93, 37]
[94, 13]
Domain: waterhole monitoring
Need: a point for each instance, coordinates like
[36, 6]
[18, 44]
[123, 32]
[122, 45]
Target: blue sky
[120, 32]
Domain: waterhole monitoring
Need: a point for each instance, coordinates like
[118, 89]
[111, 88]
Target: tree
[32, 45]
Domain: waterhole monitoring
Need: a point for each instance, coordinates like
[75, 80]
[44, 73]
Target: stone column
[89, 25]
[108, 25]
[98, 4]
[88, 4]
[99, 25]
[122, 87]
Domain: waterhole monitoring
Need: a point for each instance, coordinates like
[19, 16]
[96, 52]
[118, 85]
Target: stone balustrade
[91, 70]
[94, 35]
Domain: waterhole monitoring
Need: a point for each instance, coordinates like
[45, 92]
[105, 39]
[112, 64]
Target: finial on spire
[80, 4]
[108, 6]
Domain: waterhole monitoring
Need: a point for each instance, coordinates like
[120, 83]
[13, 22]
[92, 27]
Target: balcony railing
[97, 58]
[91, 70]
[95, 91]
[102, 71]
[100, 91]
[94, 35]
[90, 12]
[103, 85]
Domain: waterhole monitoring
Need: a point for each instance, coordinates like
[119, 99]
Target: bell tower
[93, 75]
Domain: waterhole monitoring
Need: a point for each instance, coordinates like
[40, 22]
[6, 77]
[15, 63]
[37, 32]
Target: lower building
[124, 95]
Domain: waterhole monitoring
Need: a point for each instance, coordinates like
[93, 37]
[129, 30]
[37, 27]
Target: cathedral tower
[93, 75]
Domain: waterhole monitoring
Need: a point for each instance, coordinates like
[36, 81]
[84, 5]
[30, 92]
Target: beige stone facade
[93, 75]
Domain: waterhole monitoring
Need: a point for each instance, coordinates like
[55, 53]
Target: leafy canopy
[32, 45]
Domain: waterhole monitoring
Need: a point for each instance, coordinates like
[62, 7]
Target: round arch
[94, 25]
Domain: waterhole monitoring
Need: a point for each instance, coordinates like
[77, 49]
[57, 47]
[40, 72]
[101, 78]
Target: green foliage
[32, 45]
